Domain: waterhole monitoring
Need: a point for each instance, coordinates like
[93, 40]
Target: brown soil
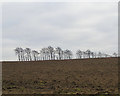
[85, 76]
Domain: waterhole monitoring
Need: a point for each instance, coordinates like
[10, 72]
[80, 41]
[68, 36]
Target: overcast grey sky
[71, 26]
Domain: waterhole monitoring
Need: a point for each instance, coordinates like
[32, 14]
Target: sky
[69, 25]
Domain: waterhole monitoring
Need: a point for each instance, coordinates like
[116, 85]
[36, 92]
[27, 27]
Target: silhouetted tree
[17, 52]
[79, 54]
[43, 53]
[51, 52]
[67, 54]
[88, 53]
[84, 54]
[35, 55]
[22, 54]
[59, 52]
[28, 54]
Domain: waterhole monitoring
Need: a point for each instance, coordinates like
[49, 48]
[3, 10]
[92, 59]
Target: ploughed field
[85, 76]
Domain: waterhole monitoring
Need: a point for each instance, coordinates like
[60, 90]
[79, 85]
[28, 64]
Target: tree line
[48, 53]
[51, 53]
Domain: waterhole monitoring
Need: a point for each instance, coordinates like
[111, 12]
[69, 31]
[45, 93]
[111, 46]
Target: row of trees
[48, 53]
[51, 53]
[90, 54]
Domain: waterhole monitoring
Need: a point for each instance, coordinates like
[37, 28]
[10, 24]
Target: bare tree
[42, 51]
[84, 54]
[40, 55]
[67, 54]
[59, 52]
[79, 54]
[28, 53]
[62, 54]
[88, 53]
[45, 54]
[51, 52]
[22, 54]
[35, 55]
[17, 52]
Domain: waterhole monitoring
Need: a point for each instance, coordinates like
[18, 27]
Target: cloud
[68, 25]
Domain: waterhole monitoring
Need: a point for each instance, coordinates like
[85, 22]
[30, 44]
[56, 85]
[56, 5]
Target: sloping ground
[85, 76]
